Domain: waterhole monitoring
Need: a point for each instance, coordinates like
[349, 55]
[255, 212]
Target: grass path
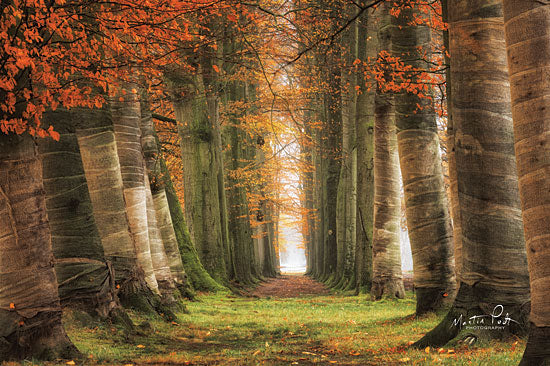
[314, 329]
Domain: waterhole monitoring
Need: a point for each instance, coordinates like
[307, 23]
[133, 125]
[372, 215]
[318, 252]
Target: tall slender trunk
[387, 278]
[201, 172]
[364, 127]
[331, 175]
[527, 39]
[31, 312]
[238, 212]
[86, 279]
[428, 220]
[487, 179]
[451, 158]
[346, 202]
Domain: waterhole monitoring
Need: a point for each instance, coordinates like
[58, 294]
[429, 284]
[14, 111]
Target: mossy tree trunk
[428, 221]
[198, 277]
[527, 38]
[387, 278]
[492, 227]
[200, 172]
[240, 231]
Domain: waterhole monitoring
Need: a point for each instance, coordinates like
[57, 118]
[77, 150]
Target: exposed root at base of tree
[477, 316]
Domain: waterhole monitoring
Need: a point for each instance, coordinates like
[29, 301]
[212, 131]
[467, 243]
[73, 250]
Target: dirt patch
[290, 286]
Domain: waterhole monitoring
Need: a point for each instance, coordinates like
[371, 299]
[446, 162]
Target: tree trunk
[198, 277]
[97, 144]
[31, 312]
[201, 173]
[332, 146]
[367, 51]
[153, 164]
[451, 158]
[86, 279]
[527, 35]
[126, 115]
[428, 220]
[487, 180]
[159, 258]
[346, 202]
[240, 232]
[387, 280]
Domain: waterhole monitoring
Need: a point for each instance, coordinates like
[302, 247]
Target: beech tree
[526, 26]
[86, 280]
[487, 177]
[428, 221]
[387, 278]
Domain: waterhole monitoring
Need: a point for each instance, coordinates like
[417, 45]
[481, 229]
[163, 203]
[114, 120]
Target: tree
[428, 220]
[526, 26]
[347, 183]
[364, 125]
[199, 156]
[31, 312]
[487, 178]
[153, 163]
[387, 279]
[126, 113]
[86, 279]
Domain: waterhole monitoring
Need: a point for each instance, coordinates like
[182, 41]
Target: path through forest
[290, 285]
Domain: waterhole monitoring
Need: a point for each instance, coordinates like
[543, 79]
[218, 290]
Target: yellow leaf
[333, 362]
[140, 346]
[256, 353]
[71, 362]
[406, 359]
[427, 349]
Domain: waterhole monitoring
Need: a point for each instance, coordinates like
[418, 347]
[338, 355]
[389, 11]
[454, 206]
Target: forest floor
[291, 320]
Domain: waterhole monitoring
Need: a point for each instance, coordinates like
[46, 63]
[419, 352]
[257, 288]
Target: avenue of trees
[141, 157]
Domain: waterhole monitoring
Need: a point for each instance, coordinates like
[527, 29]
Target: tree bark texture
[201, 173]
[428, 221]
[30, 311]
[86, 279]
[492, 229]
[126, 113]
[527, 34]
[367, 51]
[387, 280]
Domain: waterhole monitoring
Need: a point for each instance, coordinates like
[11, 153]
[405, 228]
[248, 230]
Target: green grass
[325, 330]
